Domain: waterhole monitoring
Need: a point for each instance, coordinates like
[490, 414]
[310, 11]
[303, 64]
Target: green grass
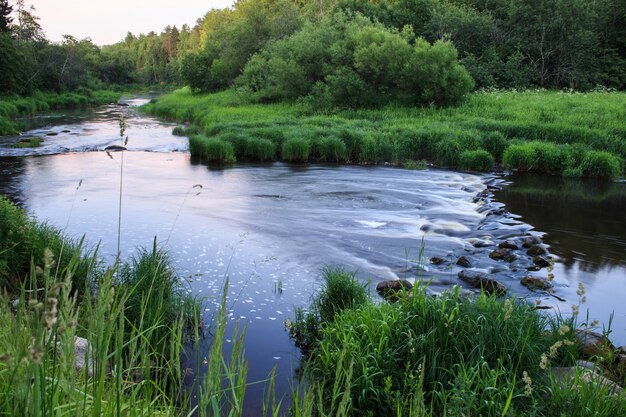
[27, 143]
[450, 355]
[14, 106]
[571, 124]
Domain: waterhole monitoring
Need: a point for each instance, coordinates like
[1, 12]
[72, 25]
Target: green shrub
[259, 149]
[519, 157]
[295, 150]
[332, 149]
[480, 160]
[602, 165]
[448, 153]
[415, 165]
[211, 149]
[494, 143]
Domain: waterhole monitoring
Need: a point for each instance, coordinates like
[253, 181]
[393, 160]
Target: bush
[332, 149]
[448, 153]
[494, 143]
[259, 149]
[519, 157]
[480, 160]
[602, 165]
[211, 149]
[295, 150]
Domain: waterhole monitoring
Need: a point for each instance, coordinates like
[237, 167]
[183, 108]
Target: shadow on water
[584, 220]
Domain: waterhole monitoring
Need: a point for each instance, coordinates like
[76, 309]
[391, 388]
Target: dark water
[271, 228]
[585, 224]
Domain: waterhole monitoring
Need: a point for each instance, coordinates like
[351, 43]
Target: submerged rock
[464, 261]
[391, 289]
[529, 241]
[536, 283]
[536, 250]
[482, 281]
[115, 148]
[508, 244]
[502, 254]
[435, 260]
[541, 261]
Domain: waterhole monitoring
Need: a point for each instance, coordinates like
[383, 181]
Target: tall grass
[489, 121]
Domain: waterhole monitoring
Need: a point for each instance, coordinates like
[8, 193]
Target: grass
[136, 320]
[15, 106]
[449, 355]
[575, 126]
[27, 143]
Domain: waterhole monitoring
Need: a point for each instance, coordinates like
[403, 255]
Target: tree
[5, 16]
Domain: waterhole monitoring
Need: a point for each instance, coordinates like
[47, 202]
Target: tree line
[347, 52]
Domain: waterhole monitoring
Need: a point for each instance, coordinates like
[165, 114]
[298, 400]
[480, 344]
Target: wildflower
[48, 257]
[509, 310]
[528, 384]
[594, 323]
[554, 349]
[575, 310]
[581, 289]
[544, 361]
[564, 329]
[35, 354]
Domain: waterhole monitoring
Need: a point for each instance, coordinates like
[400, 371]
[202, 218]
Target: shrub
[296, 150]
[480, 160]
[495, 143]
[448, 153]
[211, 149]
[415, 165]
[259, 149]
[332, 149]
[519, 157]
[602, 165]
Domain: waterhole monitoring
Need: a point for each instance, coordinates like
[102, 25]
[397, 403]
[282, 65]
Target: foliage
[211, 149]
[349, 61]
[479, 160]
[568, 124]
[295, 150]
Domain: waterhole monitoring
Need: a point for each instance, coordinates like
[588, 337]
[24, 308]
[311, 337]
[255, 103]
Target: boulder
[593, 343]
[482, 281]
[115, 148]
[536, 250]
[541, 261]
[391, 289]
[464, 261]
[502, 254]
[508, 244]
[536, 283]
[576, 375]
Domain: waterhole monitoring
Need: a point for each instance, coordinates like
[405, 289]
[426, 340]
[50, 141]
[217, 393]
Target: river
[271, 228]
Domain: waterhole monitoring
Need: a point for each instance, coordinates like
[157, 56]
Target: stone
[529, 241]
[508, 244]
[391, 289]
[436, 260]
[114, 148]
[566, 376]
[533, 268]
[502, 254]
[536, 250]
[82, 351]
[482, 281]
[464, 261]
[536, 283]
[593, 343]
[541, 261]
[51, 134]
[622, 350]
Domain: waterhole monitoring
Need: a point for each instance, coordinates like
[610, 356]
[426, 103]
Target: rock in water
[435, 260]
[502, 254]
[541, 261]
[536, 250]
[482, 281]
[391, 289]
[536, 283]
[464, 261]
[508, 244]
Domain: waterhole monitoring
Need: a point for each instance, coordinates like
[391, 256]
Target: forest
[315, 45]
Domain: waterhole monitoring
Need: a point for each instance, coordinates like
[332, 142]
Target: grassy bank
[451, 355]
[15, 106]
[81, 338]
[561, 133]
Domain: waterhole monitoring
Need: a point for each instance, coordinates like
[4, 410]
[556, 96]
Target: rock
[51, 134]
[535, 283]
[622, 350]
[582, 376]
[593, 343]
[436, 260]
[588, 365]
[82, 350]
[66, 131]
[536, 250]
[479, 243]
[533, 268]
[502, 254]
[482, 281]
[508, 244]
[541, 261]
[529, 241]
[122, 104]
[391, 289]
[464, 261]
[114, 148]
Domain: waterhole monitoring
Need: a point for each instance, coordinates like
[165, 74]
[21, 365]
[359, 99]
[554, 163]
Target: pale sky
[108, 21]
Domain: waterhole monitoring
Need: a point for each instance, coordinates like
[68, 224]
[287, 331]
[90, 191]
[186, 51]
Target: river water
[271, 228]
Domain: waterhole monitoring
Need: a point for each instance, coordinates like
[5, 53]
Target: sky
[108, 21]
